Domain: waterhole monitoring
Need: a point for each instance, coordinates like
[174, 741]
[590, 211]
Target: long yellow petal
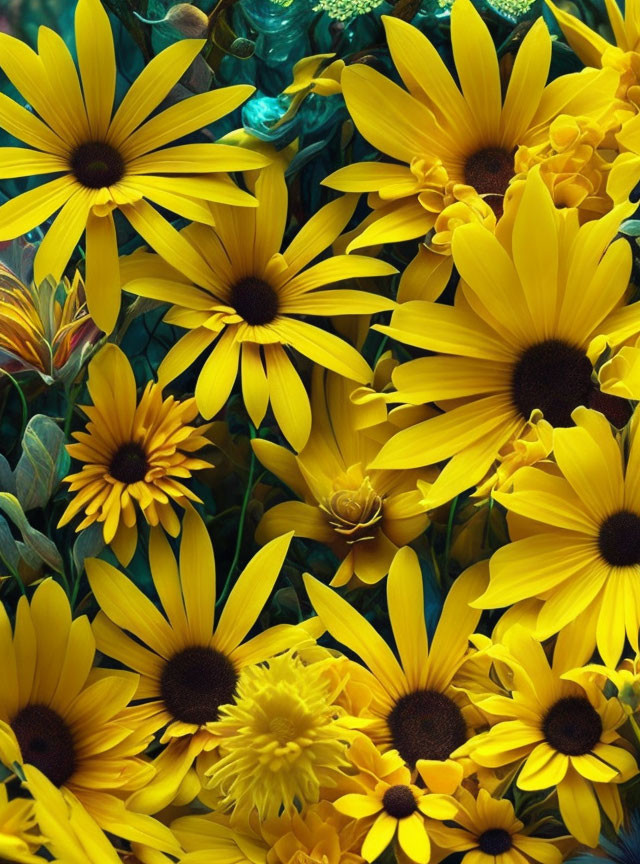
[97, 62]
[21, 214]
[102, 283]
[218, 375]
[198, 577]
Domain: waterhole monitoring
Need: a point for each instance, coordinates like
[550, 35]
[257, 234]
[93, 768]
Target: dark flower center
[495, 841]
[554, 377]
[196, 682]
[572, 726]
[97, 164]
[617, 410]
[129, 463]
[489, 172]
[426, 725]
[619, 539]
[255, 300]
[399, 802]
[45, 741]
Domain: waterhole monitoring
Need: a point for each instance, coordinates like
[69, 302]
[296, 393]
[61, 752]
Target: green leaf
[44, 548]
[36, 473]
[89, 544]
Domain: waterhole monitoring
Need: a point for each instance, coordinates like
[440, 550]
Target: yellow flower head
[135, 453]
[319, 833]
[282, 738]
[363, 515]
[248, 297]
[106, 161]
[189, 664]
[19, 838]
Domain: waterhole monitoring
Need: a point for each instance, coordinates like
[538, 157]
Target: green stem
[72, 393]
[23, 401]
[452, 513]
[636, 729]
[243, 513]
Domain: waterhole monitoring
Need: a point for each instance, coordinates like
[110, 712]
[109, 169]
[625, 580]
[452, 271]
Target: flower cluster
[320, 424]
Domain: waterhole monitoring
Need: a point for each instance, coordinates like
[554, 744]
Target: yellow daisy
[248, 297]
[363, 516]
[18, 830]
[562, 733]
[531, 319]
[188, 664]
[416, 708]
[581, 548]
[70, 724]
[108, 162]
[487, 831]
[452, 144]
[135, 453]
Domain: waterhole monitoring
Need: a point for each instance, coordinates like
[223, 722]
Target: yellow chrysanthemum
[19, 837]
[487, 831]
[282, 739]
[71, 725]
[415, 707]
[188, 666]
[363, 516]
[107, 162]
[248, 297]
[579, 546]
[320, 833]
[452, 143]
[562, 733]
[536, 310]
[135, 453]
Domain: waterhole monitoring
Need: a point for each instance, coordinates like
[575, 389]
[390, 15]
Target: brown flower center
[129, 463]
[45, 741]
[426, 724]
[97, 164]
[495, 841]
[354, 513]
[399, 802]
[489, 171]
[619, 539]
[572, 726]
[196, 682]
[255, 300]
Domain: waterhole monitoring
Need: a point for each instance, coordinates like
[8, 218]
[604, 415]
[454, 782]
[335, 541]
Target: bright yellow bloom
[582, 549]
[188, 667]
[107, 162]
[43, 328]
[562, 733]
[363, 516]
[487, 830]
[417, 709]
[248, 297]
[18, 835]
[282, 739]
[535, 312]
[320, 833]
[69, 724]
[136, 453]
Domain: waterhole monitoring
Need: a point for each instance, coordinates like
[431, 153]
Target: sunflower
[530, 321]
[363, 516]
[72, 726]
[560, 732]
[581, 548]
[247, 295]
[135, 453]
[107, 162]
[451, 146]
[416, 708]
[18, 830]
[188, 668]
[486, 828]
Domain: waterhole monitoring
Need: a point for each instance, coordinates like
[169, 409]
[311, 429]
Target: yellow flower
[249, 297]
[18, 837]
[562, 733]
[108, 162]
[282, 739]
[320, 833]
[520, 343]
[364, 516]
[487, 830]
[417, 710]
[43, 328]
[580, 550]
[136, 453]
[188, 667]
[73, 727]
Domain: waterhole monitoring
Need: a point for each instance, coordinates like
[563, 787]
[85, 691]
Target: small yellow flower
[19, 838]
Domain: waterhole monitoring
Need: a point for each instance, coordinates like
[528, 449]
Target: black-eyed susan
[19, 837]
[189, 664]
[281, 739]
[486, 830]
[450, 143]
[363, 516]
[417, 709]
[531, 320]
[391, 806]
[561, 733]
[108, 162]
[249, 297]
[581, 548]
[136, 455]
[71, 725]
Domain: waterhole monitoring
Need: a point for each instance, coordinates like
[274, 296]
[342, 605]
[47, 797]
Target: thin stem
[452, 513]
[23, 401]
